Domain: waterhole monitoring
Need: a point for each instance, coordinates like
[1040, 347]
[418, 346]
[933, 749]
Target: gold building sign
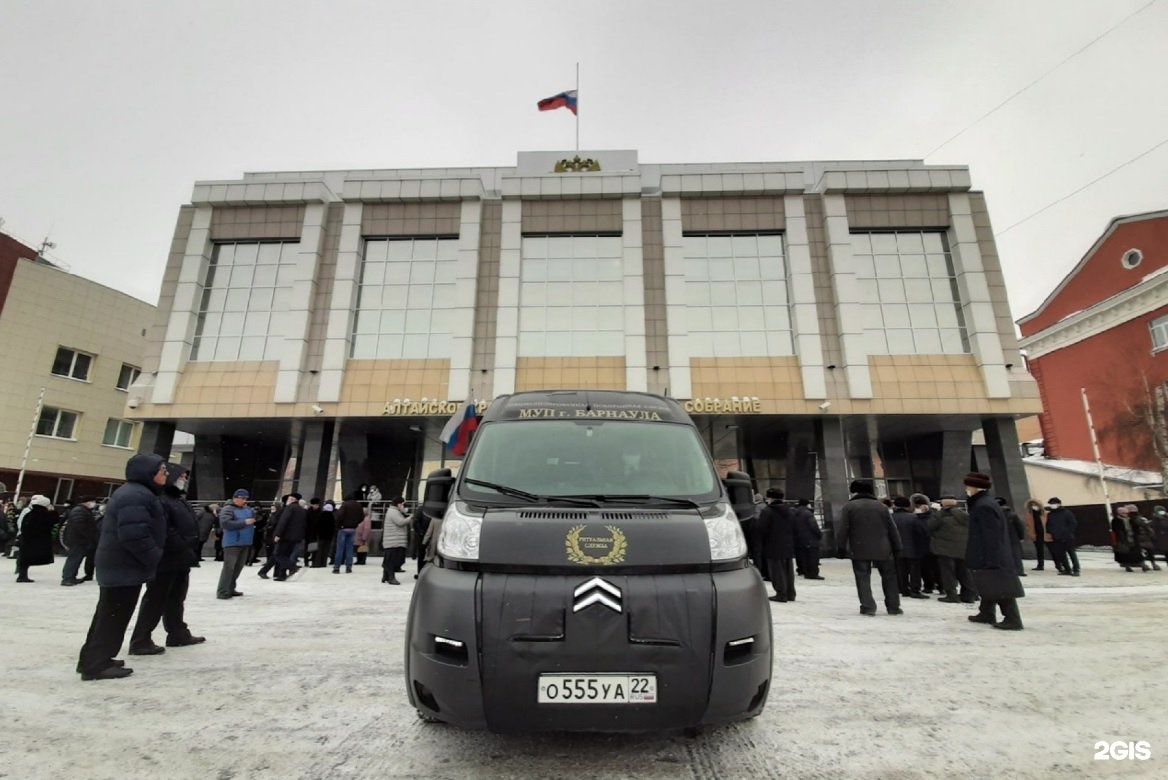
[734, 405]
[576, 165]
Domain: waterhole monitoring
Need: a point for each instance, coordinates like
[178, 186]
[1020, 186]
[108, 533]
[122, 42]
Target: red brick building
[1104, 328]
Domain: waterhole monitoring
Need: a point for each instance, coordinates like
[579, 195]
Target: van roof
[584, 404]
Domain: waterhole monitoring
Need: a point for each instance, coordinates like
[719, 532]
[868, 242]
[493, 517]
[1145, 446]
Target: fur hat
[39, 500]
[774, 493]
[919, 499]
[900, 502]
[976, 479]
[861, 486]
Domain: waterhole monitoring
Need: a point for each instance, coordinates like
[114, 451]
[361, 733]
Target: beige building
[82, 344]
[822, 320]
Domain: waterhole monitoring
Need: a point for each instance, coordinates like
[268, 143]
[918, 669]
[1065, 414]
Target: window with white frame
[909, 288]
[1159, 330]
[406, 285]
[73, 364]
[118, 433]
[127, 376]
[571, 296]
[244, 308]
[737, 303]
[57, 423]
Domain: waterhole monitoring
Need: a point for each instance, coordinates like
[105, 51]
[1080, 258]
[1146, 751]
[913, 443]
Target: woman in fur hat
[36, 537]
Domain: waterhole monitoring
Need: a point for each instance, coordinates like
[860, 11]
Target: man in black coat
[133, 535]
[807, 538]
[166, 594]
[914, 541]
[80, 540]
[778, 528]
[990, 557]
[291, 529]
[865, 528]
[1062, 524]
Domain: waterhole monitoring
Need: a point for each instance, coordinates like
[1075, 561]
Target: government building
[821, 321]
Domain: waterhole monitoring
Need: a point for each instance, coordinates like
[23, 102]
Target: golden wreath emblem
[615, 554]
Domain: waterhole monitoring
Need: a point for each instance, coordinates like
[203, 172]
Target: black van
[591, 575]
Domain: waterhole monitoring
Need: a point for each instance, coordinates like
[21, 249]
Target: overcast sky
[112, 110]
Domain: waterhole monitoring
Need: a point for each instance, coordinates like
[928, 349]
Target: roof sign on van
[585, 406]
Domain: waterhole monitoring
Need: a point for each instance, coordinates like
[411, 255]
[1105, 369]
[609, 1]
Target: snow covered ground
[303, 679]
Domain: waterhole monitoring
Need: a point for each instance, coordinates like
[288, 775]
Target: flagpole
[577, 106]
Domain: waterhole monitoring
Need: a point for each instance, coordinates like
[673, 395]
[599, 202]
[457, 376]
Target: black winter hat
[901, 501]
[976, 479]
[774, 493]
[861, 486]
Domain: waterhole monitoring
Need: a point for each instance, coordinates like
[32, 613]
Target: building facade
[1103, 333]
[822, 321]
[70, 350]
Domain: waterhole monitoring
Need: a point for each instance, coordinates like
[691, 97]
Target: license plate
[616, 688]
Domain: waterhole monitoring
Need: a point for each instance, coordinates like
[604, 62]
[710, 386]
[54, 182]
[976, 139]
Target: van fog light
[450, 650]
[738, 650]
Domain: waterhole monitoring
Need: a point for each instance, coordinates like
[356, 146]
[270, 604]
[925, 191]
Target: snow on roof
[1089, 468]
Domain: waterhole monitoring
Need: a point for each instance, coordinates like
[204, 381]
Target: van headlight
[460, 535]
[726, 540]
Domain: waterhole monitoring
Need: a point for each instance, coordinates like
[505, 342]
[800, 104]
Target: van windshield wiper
[610, 498]
[532, 497]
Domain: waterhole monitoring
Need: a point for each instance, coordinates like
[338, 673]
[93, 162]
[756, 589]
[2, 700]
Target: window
[242, 314]
[1131, 258]
[127, 376]
[737, 304]
[1159, 329]
[72, 364]
[63, 492]
[571, 296]
[118, 433]
[909, 288]
[58, 423]
[406, 285]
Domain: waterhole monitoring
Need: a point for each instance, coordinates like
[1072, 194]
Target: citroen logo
[596, 591]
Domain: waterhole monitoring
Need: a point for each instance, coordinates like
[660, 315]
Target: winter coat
[914, 533]
[1061, 524]
[1159, 528]
[233, 521]
[349, 514]
[431, 537]
[807, 531]
[1145, 535]
[182, 531]
[206, 521]
[867, 530]
[778, 531]
[988, 554]
[1015, 533]
[36, 537]
[1125, 541]
[363, 532]
[292, 525]
[324, 523]
[133, 531]
[81, 528]
[397, 529]
[949, 529]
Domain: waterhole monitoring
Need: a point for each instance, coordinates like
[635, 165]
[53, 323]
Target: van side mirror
[437, 497]
[740, 493]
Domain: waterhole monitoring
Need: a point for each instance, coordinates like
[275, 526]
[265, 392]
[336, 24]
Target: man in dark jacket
[914, 541]
[1062, 524]
[807, 539]
[348, 516]
[989, 557]
[778, 527]
[80, 540]
[133, 534]
[291, 529]
[166, 596]
[237, 521]
[866, 529]
[949, 529]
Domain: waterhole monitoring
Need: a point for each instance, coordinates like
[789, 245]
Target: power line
[1065, 60]
[1097, 179]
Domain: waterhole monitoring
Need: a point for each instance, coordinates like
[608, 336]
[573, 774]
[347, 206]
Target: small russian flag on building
[563, 100]
[456, 434]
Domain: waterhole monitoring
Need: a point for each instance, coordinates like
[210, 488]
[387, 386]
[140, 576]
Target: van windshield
[606, 458]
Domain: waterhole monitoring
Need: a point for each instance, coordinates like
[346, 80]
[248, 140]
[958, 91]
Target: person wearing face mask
[80, 540]
[1061, 524]
[990, 557]
[166, 595]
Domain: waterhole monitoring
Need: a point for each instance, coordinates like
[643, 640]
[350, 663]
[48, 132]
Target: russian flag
[456, 434]
[563, 100]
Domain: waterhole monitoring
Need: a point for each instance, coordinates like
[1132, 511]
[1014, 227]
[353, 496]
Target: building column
[955, 461]
[157, 437]
[801, 458]
[299, 313]
[680, 382]
[461, 311]
[209, 469]
[507, 310]
[188, 292]
[633, 262]
[354, 457]
[1005, 453]
[849, 311]
[314, 458]
[832, 464]
[804, 310]
[346, 281]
